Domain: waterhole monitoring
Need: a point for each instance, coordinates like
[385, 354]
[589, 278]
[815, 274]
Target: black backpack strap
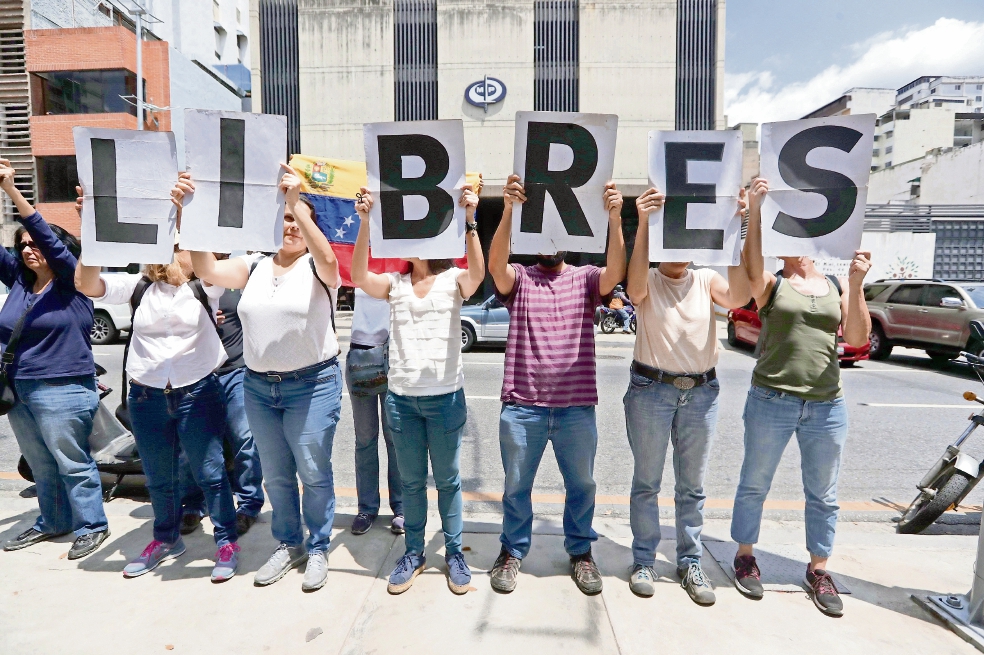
[837, 285]
[198, 289]
[10, 352]
[331, 303]
[138, 293]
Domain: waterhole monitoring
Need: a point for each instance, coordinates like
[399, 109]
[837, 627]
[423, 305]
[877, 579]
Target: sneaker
[155, 553]
[586, 575]
[459, 575]
[226, 562]
[408, 568]
[362, 523]
[190, 522]
[748, 577]
[283, 560]
[697, 585]
[316, 572]
[642, 580]
[397, 525]
[244, 522]
[824, 593]
[29, 537]
[505, 571]
[87, 544]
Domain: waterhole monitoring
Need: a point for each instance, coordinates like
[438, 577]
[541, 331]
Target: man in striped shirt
[549, 391]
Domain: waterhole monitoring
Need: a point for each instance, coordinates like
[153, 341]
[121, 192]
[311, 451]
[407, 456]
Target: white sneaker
[316, 573]
[283, 560]
[642, 580]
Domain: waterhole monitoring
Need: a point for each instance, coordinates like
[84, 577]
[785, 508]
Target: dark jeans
[193, 418]
[246, 477]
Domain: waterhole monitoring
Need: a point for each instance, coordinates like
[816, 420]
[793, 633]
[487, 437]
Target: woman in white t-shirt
[293, 385]
[175, 402]
[425, 404]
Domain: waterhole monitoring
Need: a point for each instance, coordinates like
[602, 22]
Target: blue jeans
[293, 422]
[247, 475]
[771, 418]
[655, 414]
[366, 415]
[433, 424]
[524, 431]
[52, 422]
[191, 418]
[623, 315]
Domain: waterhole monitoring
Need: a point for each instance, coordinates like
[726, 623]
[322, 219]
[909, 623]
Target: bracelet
[471, 227]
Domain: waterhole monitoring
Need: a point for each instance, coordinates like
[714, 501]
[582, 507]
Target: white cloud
[948, 47]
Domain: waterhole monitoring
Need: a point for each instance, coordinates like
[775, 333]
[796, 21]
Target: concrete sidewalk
[51, 605]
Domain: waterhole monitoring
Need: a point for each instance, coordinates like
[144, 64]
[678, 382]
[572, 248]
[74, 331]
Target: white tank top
[286, 319]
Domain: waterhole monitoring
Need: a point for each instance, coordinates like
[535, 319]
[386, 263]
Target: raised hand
[183, 187]
[6, 175]
[290, 185]
[649, 202]
[78, 200]
[613, 200]
[363, 204]
[742, 202]
[757, 193]
[468, 200]
[860, 266]
[513, 191]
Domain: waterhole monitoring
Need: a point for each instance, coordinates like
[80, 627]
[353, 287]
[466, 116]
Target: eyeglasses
[24, 245]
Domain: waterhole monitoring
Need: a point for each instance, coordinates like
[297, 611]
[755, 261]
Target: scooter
[955, 474]
[609, 320]
[112, 445]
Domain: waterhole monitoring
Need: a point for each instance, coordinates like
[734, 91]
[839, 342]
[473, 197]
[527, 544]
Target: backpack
[331, 305]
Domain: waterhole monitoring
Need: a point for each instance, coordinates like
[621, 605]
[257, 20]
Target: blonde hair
[170, 273]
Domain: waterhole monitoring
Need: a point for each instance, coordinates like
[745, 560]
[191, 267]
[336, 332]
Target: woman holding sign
[293, 384]
[796, 387]
[44, 326]
[425, 403]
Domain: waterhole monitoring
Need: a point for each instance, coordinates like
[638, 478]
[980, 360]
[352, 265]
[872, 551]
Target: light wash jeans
[771, 418]
[367, 413]
[524, 431]
[246, 477]
[432, 425]
[52, 421]
[655, 414]
[293, 423]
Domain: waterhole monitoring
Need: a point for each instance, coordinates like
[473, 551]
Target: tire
[103, 329]
[919, 517]
[938, 357]
[632, 324]
[609, 323]
[880, 346]
[25, 469]
[468, 338]
[732, 335]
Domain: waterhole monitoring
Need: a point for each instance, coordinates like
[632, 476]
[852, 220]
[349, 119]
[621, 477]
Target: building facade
[332, 65]
[859, 100]
[963, 94]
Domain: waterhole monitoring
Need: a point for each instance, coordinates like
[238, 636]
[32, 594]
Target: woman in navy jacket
[54, 377]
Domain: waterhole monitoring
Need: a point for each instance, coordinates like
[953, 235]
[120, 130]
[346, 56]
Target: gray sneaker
[316, 573]
[283, 560]
[155, 553]
[642, 580]
[697, 585]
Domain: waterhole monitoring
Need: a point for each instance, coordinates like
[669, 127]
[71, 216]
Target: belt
[274, 376]
[682, 382]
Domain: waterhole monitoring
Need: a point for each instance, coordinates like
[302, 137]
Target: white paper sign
[127, 213]
[818, 185]
[700, 173]
[565, 160]
[416, 170]
[234, 159]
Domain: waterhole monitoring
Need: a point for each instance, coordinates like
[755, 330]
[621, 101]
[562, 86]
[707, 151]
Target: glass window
[87, 92]
[937, 292]
[976, 294]
[907, 294]
[57, 179]
[874, 290]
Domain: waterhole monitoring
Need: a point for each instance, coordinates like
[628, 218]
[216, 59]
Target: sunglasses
[24, 245]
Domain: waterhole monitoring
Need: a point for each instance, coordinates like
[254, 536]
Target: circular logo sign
[485, 92]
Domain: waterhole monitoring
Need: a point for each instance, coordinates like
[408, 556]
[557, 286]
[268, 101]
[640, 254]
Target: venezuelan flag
[331, 185]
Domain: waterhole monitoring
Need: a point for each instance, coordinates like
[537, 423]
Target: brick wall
[52, 135]
[61, 213]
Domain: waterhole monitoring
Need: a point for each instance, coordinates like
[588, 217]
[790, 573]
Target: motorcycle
[112, 445]
[609, 321]
[955, 474]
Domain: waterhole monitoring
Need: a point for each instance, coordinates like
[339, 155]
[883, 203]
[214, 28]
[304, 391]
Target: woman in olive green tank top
[796, 389]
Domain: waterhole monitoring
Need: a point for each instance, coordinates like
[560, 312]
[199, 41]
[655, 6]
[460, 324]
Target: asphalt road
[889, 448]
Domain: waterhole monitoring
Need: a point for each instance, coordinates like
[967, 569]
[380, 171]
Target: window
[216, 11]
[556, 56]
[415, 59]
[935, 293]
[85, 92]
[976, 294]
[980, 87]
[888, 150]
[932, 91]
[242, 45]
[220, 37]
[239, 16]
[871, 291]
[956, 87]
[57, 179]
[978, 98]
[907, 294]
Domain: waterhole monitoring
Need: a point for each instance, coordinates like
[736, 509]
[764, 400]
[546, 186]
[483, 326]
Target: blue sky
[784, 58]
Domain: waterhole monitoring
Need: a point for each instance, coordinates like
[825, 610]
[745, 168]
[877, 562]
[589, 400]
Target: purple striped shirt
[550, 354]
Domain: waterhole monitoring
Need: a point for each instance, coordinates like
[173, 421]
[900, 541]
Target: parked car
[487, 322]
[744, 327]
[933, 315]
[107, 320]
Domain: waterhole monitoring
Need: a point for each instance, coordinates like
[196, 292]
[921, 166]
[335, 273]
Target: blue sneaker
[408, 568]
[459, 575]
[155, 553]
[226, 562]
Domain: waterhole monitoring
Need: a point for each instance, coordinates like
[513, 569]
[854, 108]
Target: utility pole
[138, 12]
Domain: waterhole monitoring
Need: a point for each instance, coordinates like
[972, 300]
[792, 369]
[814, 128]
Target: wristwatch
[470, 227]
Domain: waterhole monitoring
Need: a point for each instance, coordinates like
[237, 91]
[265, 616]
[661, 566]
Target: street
[903, 412]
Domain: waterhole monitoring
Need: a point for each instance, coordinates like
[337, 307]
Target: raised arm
[9, 264]
[374, 284]
[88, 281]
[855, 319]
[650, 201]
[614, 270]
[503, 274]
[469, 281]
[760, 281]
[325, 262]
[736, 291]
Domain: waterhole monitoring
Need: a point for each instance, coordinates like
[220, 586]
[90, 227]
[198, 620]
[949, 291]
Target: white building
[859, 100]
[958, 93]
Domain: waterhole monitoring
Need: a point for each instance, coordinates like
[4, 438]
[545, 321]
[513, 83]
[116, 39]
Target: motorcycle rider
[618, 304]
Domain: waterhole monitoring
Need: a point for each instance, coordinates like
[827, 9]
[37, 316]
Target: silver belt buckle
[683, 383]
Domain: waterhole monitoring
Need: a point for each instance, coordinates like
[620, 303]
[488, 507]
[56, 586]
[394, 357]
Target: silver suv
[933, 315]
